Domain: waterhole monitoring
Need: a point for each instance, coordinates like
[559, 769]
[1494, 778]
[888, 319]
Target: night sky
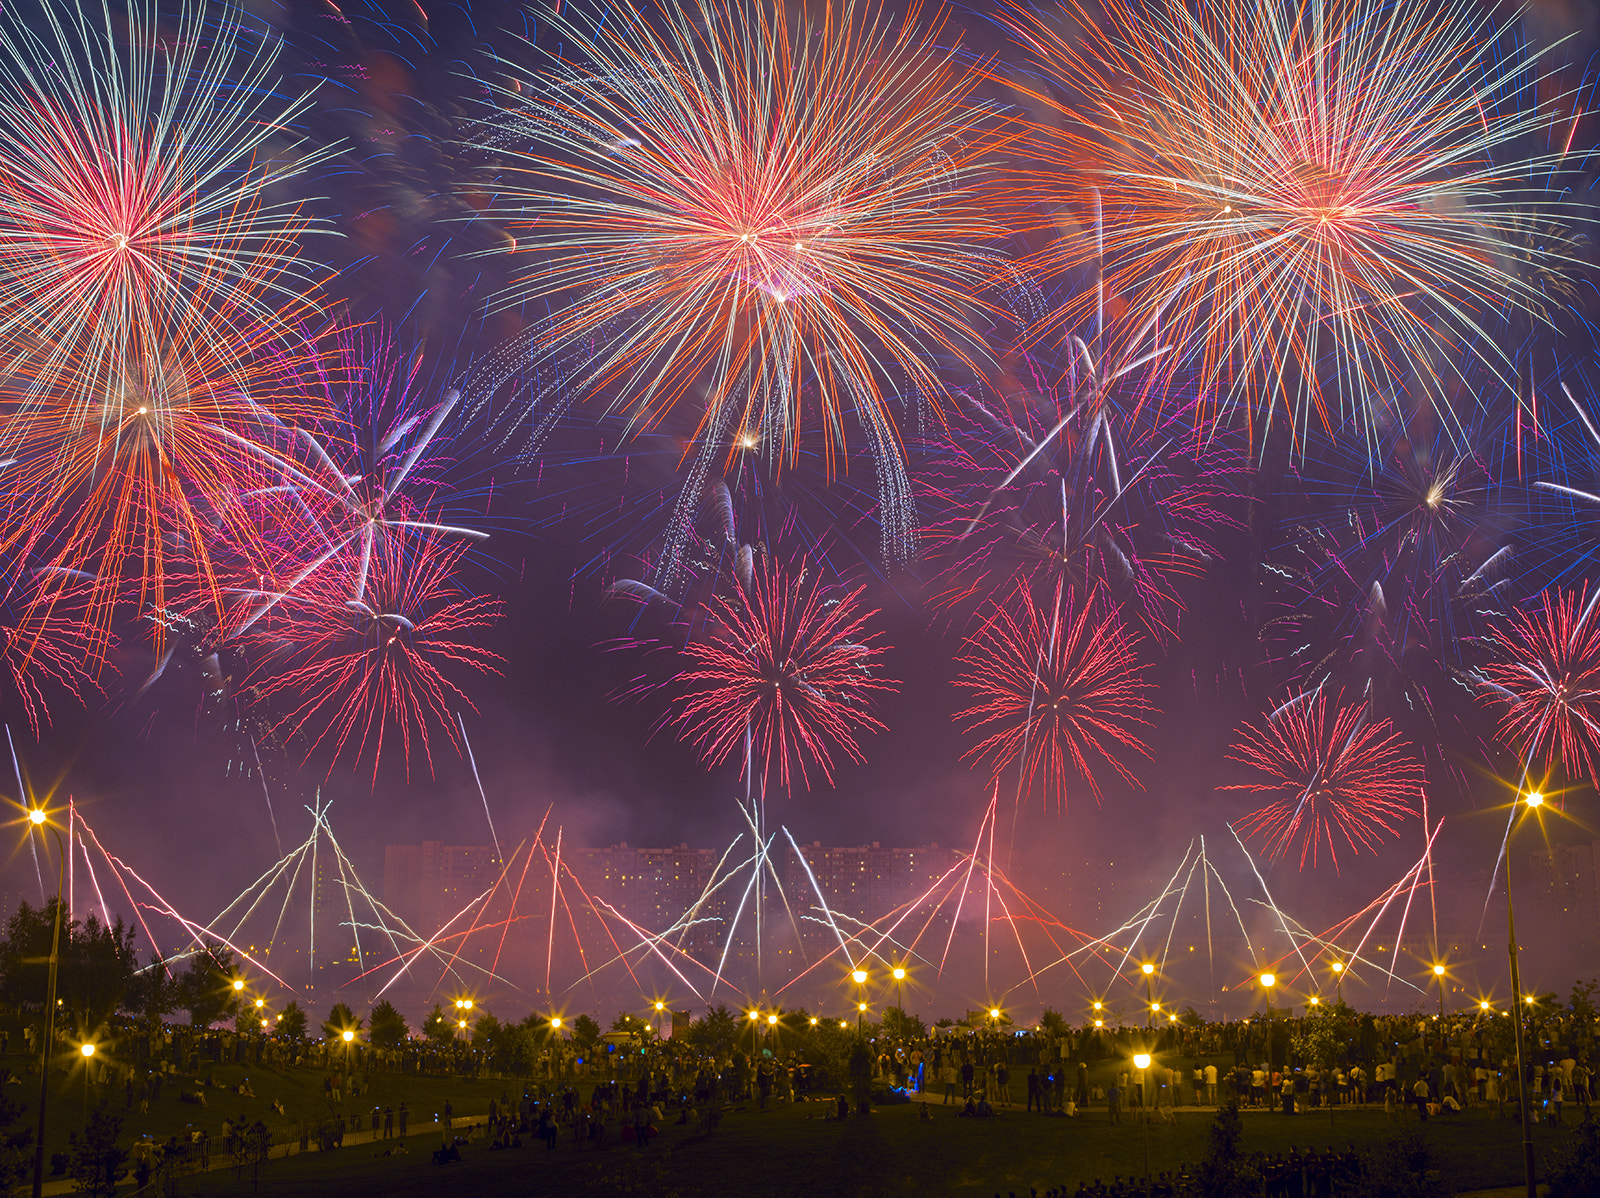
[159, 774]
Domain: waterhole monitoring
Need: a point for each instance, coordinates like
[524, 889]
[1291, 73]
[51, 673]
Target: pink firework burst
[1544, 673]
[790, 660]
[352, 672]
[1334, 774]
[1059, 692]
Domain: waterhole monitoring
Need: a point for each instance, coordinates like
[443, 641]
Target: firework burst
[1543, 674]
[350, 673]
[1308, 192]
[1059, 692]
[754, 211]
[134, 165]
[1334, 776]
[789, 661]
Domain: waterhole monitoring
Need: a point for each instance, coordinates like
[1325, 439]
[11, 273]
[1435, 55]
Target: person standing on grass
[405, 1118]
[966, 1078]
[1114, 1102]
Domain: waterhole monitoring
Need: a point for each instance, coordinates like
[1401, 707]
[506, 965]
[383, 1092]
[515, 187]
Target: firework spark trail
[1262, 882]
[462, 724]
[555, 891]
[1306, 187]
[198, 933]
[22, 800]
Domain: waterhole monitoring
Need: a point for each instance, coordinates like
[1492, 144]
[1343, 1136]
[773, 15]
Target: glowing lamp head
[260, 1002]
[462, 1025]
[265, 1024]
[994, 1012]
[87, 1050]
[556, 1022]
[1099, 1023]
[349, 1036]
[1438, 971]
[899, 973]
[842, 1023]
[754, 1015]
[661, 1006]
[1141, 1060]
[1484, 1005]
[1269, 980]
[467, 1004]
[1338, 967]
[37, 816]
[1534, 799]
[1315, 1001]
[1148, 968]
[813, 1021]
[858, 976]
[1098, 1004]
[238, 984]
[771, 1020]
[1155, 1006]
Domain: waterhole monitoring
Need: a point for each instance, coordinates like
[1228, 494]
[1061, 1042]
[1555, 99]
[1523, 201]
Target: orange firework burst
[771, 209]
[1304, 192]
[1334, 774]
[134, 162]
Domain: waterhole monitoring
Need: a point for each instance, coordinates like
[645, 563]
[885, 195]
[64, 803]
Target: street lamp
[1534, 800]
[661, 1020]
[88, 1058]
[1338, 981]
[1438, 972]
[1149, 971]
[1141, 1062]
[38, 818]
[899, 994]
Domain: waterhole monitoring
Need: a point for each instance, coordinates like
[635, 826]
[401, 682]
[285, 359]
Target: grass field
[786, 1150]
[791, 1151]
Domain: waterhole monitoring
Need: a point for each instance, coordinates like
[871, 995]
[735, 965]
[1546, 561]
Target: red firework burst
[360, 670]
[1334, 774]
[1544, 672]
[1059, 688]
[791, 661]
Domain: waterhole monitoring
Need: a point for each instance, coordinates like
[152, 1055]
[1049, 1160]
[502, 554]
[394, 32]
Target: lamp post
[88, 1061]
[1438, 972]
[859, 977]
[755, 1018]
[1534, 801]
[1149, 971]
[1268, 981]
[899, 994]
[1338, 981]
[661, 1020]
[1141, 1061]
[38, 818]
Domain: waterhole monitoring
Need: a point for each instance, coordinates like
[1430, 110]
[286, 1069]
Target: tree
[94, 1159]
[153, 992]
[16, 1155]
[1575, 1171]
[1225, 1172]
[586, 1032]
[437, 1028]
[624, 1022]
[387, 1026]
[901, 1026]
[205, 987]
[1053, 1022]
[96, 963]
[715, 1033]
[1403, 1168]
[292, 1024]
[341, 1019]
